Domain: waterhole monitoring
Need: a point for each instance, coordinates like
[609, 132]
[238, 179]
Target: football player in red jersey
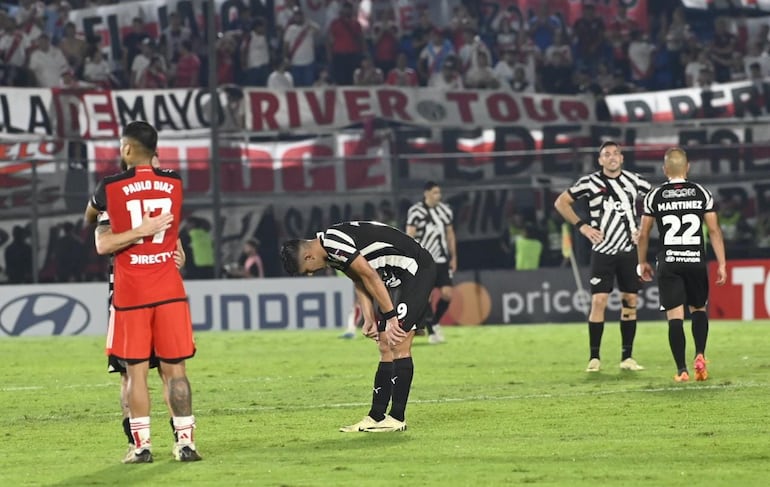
[151, 310]
[115, 365]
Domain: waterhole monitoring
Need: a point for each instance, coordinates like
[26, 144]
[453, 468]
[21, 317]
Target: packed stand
[284, 48]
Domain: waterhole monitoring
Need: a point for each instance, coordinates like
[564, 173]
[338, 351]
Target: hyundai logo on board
[43, 314]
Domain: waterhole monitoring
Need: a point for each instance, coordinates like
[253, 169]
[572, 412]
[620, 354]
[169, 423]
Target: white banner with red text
[520, 11]
[753, 5]
[111, 23]
[102, 114]
[315, 303]
[339, 163]
[332, 108]
[746, 294]
[32, 171]
[570, 149]
[738, 99]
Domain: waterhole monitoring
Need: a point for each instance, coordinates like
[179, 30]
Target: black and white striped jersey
[104, 219]
[612, 207]
[389, 251]
[678, 207]
[431, 224]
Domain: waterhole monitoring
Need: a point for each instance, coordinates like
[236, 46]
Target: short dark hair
[19, 232]
[429, 185]
[290, 256]
[144, 133]
[608, 143]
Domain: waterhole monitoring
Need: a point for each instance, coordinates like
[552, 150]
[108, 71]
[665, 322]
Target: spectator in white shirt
[299, 44]
[284, 13]
[97, 70]
[24, 11]
[324, 79]
[693, 68]
[13, 53]
[255, 55]
[640, 54]
[449, 78]
[557, 70]
[469, 52]
[280, 78]
[368, 74]
[504, 67]
[753, 55]
[141, 63]
[481, 76]
[47, 63]
[70, 81]
[172, 37]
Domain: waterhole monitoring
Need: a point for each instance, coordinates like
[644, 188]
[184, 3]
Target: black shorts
[606, 268]
[411, 298]
[681, 285]
[114, 364]
[443, 275]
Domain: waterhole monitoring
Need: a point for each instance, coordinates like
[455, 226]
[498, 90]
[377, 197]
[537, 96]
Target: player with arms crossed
[393, 277]
[430, 223]
[680, 207]
[612, 193]
[151, 313]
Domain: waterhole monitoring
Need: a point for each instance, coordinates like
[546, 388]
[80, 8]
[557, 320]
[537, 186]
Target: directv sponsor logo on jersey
[151, 259]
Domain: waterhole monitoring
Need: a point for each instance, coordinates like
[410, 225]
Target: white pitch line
[479, 398]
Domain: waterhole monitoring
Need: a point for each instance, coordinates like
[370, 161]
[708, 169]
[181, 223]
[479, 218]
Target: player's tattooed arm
[108, 242]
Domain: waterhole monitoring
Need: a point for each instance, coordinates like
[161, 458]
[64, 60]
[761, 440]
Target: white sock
[352, 320]
[184, 426]
[140, 430]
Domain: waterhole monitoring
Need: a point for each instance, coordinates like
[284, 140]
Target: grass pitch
[494, 406]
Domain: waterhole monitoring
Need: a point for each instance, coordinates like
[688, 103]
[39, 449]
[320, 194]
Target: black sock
[700, 331]
[382, 390]
[595, 331]
[173, 429]
[403, 372]
[441, 308]
[428, 319]
[627, 335]
[677, 342]
[127, 430]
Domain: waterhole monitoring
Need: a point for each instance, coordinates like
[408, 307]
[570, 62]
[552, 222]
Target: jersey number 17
[137, 209]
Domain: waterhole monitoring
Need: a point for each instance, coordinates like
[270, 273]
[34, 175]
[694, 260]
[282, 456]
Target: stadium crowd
[282, 48]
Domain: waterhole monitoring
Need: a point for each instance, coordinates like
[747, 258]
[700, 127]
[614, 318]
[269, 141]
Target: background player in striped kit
[394, 277]
[680, 207]
[612, 194]
[430, 222]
